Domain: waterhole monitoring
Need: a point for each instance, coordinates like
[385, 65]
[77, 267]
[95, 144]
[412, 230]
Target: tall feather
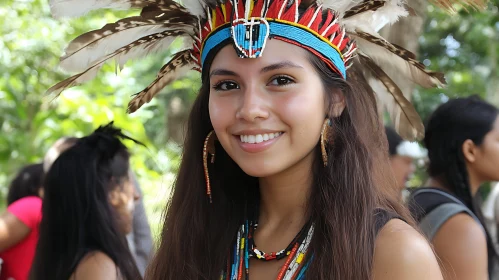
[365, 6]
[388, 56]
[406, 120]
[75, 8]
[139, 48]
[196, 7]
[177, 66]
[371, 16]
[341, 6]
[92, 46]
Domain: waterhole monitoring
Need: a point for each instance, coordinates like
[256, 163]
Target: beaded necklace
[244, 248]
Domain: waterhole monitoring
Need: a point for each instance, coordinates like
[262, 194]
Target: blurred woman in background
[89, 201]
[19, 224]
[462, 138]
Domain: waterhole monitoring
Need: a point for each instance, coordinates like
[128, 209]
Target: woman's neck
[284, 196]
[439, 184]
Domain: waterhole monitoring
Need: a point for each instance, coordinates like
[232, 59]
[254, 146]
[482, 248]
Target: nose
[253, 105]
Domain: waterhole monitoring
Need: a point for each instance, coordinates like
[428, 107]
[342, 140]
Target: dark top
[381, 217]
[423, 200]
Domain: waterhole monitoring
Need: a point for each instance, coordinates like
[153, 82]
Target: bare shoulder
[96, 266]
[462, 247]
[402, 253]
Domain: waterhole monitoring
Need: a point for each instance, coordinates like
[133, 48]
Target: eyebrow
[280, 65]
[275, 66]
[223, 72]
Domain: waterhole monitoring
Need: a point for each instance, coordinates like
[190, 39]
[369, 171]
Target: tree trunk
[176, 119]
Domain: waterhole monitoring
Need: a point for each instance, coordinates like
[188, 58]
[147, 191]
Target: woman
[294, 158]
[462, 138]
[19, 224]
[87, 212]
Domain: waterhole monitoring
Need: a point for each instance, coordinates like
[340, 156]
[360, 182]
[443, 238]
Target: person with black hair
[28, 182]
[140, 238]
[462, 138]
[87, 211]
[19, 224]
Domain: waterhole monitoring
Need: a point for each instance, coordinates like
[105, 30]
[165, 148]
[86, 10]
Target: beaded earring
[324, 139]
[208, 148]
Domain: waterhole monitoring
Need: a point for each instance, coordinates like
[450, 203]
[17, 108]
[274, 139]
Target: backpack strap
[432, 222]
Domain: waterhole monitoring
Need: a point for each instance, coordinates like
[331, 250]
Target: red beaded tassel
[208, 148]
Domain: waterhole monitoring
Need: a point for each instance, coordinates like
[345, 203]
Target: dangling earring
[324, 138]
[208, 148]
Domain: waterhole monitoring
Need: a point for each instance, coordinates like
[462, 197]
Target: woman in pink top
[19, 224]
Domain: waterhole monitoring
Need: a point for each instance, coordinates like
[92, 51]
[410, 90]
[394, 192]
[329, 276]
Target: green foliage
[31, 122]
[465, 47]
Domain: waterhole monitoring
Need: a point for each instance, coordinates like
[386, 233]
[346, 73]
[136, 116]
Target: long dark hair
[197, 235]
[77, 217]
[27, 182]
[447, 129]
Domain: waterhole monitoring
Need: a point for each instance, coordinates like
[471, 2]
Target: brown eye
[226, 85]
[281, 81]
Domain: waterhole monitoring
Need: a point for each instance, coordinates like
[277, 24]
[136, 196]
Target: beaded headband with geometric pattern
[338, 32]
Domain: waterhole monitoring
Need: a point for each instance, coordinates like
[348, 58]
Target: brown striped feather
[406, 120]
[177, 66]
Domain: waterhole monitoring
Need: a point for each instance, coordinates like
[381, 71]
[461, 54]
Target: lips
[256, 142]
[258, 138]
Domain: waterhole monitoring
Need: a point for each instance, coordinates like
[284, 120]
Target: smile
[259, 138]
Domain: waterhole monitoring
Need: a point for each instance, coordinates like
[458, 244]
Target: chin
[259, 170]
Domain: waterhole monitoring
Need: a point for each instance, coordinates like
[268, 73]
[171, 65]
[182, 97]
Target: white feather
[155, 47]
[388, 60]
[79, 57]
[74, 81]
[373, 21]
[195, 7]
[121, 57]
[75, 8]
[340, 6]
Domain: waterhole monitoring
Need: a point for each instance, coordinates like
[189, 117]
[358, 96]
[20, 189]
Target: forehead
[275, 51]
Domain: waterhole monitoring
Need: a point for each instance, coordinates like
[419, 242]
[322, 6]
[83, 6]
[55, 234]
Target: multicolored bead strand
[293, 269]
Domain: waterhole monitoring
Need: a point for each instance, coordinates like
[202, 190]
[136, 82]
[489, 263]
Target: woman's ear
[114, 197]
[338, 103]
[469, 150]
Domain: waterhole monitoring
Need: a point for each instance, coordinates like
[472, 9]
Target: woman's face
[123, 199]
[267, 112]
[486, 163]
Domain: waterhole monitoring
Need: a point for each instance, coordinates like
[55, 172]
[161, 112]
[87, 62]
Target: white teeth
[259, 138]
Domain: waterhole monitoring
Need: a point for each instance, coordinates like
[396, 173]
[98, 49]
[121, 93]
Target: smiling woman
[284, 137]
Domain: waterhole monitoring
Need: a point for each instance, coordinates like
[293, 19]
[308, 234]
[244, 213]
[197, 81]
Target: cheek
[490, 161]
[303, 112]
[222, 112]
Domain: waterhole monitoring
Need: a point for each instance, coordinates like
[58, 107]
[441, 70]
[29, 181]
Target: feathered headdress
[339, 32]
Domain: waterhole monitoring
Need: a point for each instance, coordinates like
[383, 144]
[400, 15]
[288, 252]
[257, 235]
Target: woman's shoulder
[462, 245]
[401, 252]
[33, 201]
[28, 210]
[96, 265]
